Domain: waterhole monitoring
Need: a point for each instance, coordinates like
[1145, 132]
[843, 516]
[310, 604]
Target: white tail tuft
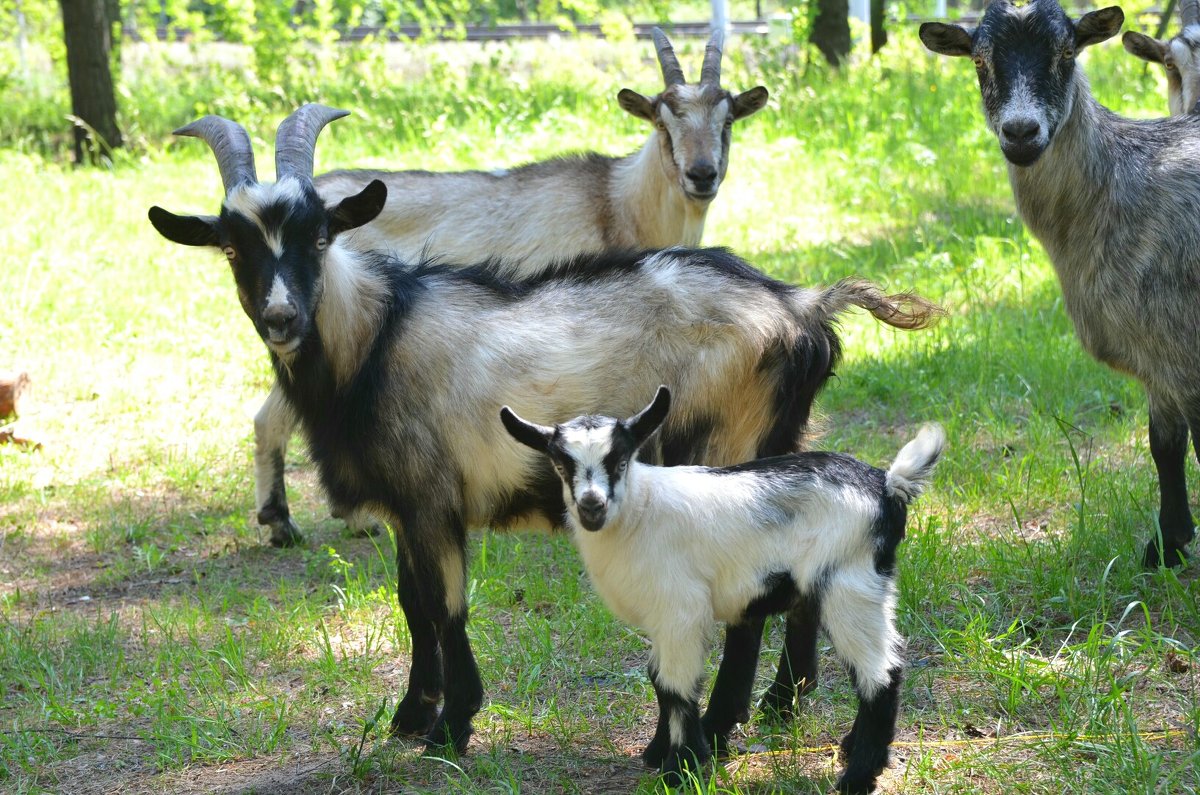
[913, 467]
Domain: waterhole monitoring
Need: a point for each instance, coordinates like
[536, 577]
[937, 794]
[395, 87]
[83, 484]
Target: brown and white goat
[397, 375]
[521, 221]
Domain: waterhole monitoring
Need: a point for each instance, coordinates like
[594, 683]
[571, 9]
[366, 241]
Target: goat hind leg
[729, 703]
[797, 672]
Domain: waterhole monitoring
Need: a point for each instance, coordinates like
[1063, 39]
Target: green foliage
[137, 598]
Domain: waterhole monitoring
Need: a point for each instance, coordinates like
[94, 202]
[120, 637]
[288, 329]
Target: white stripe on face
[279, 295]
[588, 446]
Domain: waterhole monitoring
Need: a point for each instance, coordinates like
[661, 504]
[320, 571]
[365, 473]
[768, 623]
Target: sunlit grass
[137, 599]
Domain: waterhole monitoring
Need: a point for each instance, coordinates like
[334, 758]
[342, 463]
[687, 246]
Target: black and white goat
[671, 550]
[1116, 203]
[523, 220]
[1179, 55]
[397, 374]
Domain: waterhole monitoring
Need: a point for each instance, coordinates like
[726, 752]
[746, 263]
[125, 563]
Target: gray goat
[397, 375]
[521, 221]
[1116, 203]
[1180, 56]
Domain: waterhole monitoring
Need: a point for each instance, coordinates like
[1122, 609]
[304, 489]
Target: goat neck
[1064, 197]
[648, 199]
[354, 302]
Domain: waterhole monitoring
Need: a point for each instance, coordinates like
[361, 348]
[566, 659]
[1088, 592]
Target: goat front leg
[439, 563]
[418, 710]
[1168, 447]
[797, 672]
[729, 703]
[676, 665]
[273, 426]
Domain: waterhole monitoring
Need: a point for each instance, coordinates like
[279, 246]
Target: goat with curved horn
[1189, 12]
[672, 71]
[1180, 56]
[296, 139]
[231, 145]
[710, 72]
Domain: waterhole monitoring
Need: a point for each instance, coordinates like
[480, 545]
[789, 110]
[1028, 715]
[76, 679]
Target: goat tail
[902, 310]
[911, 471]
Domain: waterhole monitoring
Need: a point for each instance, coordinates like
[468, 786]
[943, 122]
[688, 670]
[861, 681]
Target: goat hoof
[1171, 557]
[656, 752]
[857, 785]
[286, 534]
[683, 763]
[415, 718]
[444, 736]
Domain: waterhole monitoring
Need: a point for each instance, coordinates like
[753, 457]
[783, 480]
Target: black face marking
[1025, 62]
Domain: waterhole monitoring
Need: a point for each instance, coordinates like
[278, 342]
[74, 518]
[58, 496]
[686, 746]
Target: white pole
[720, 16]
[939, 9]
[861, 9]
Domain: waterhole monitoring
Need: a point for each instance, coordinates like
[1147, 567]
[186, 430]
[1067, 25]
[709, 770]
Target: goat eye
[322, 242]
[621, 466]
[1068, 53]
[979, 62]
[230, 254]
[1171, 67]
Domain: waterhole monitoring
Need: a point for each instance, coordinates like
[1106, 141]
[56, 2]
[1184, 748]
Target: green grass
[149, 641]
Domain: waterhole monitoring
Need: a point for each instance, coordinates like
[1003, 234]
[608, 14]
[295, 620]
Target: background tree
[878, 33]
[831, 30]
[88, 38]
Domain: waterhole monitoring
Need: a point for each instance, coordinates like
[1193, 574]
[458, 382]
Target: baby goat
[1116, 203]
[397, 373]
[521, 221]
[672, 549]
[1180, 56]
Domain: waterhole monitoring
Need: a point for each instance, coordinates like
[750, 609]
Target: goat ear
[189, 230]
[636, 104]
[535, 436]
[953, 40]
[646, 421]
[361, 208]
[1097, 26]
[750, 102]
[1145, 47]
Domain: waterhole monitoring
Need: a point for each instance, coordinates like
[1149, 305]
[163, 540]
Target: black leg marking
[1168, 446]
[797, 673]
[729, 703]
[453, 726]
[274, 512]
[867, 743]
[689, 751]
[418, 710]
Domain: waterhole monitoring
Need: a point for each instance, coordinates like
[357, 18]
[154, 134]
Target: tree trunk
[831, 30]
[878, 33]
[89, 39]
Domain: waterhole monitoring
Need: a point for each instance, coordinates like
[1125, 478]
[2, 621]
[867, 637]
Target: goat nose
[279, 315]
[702, 174]
[1020, 131]
[590, 502]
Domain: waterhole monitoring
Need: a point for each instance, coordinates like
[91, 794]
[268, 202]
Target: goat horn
[711, 71]
[672, 72]
[1189, 12]
[297, 137]
[230, 143]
